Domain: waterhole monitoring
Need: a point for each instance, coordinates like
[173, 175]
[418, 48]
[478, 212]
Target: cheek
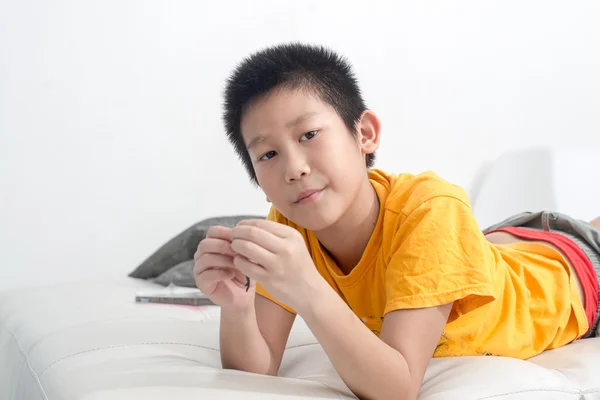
[346, 170]
[268, 185]
[344, 156]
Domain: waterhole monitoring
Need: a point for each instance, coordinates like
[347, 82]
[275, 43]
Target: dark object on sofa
[182, 247]
[181, 275]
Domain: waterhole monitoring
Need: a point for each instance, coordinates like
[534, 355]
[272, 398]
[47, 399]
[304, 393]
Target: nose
[296, 167]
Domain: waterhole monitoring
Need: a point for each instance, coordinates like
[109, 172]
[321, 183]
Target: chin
[316, 221]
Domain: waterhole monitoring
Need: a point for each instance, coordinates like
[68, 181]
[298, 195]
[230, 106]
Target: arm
[439, 246]
[373, 368]
[254, 340]
[391, 366]
[254, 330]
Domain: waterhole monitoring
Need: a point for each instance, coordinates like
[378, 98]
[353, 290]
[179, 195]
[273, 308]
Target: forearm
[371, 368]
[242, 345]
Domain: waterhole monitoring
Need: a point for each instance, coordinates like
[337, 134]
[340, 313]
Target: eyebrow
[290, 124]
[300, 119]
[254, 141]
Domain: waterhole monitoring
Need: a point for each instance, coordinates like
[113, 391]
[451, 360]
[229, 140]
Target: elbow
[247, 365]
[406, 391]
[395, 392]
[254, 369]
[405, 388]
[396, 388]
[229, 364]
[391, 393]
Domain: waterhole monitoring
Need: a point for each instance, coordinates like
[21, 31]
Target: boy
[386, 270]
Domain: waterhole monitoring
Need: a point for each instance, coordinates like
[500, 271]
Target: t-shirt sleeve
[273, 215]
[438, 256]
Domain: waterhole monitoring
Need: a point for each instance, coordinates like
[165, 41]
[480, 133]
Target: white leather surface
[90, 341]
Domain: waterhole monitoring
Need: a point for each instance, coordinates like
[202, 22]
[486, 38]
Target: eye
[267, 156]
[308, 136]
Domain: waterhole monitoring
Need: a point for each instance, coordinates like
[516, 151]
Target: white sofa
[91, 341]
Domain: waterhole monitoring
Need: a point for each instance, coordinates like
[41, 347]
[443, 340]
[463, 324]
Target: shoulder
[424, 208]
[435, 251]
[408, 192]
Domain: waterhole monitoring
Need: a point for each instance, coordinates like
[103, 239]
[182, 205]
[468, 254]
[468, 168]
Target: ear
[368, 132]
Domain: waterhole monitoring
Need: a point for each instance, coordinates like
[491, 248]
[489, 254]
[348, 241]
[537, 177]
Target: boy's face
[306, 161]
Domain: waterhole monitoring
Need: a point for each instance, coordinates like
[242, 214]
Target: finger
[250, 269]
[259, 236]
[213, 245]
[211, 278]
[219, 232]
[277, 229]
[212, 260]
[238, 277]
[252, 251]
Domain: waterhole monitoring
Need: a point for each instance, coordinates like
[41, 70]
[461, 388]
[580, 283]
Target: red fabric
[581, 263]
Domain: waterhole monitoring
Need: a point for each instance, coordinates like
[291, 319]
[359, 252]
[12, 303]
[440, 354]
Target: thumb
[210, 279]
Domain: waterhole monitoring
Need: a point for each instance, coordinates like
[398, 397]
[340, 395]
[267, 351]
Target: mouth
[308, 196]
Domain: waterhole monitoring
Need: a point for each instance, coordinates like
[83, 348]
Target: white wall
[110, 132]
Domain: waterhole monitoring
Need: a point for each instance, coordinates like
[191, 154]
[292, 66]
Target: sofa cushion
[92, 341]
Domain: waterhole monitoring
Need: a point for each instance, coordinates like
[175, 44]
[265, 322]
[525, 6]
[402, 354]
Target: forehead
[280, 108]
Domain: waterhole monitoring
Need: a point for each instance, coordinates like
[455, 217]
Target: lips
[307, 195]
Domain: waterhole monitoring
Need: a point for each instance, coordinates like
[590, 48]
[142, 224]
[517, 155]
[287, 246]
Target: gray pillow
[181, 275]
[182, 247]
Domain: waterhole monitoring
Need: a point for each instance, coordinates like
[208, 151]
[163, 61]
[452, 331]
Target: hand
[275, 255]
[216, 275]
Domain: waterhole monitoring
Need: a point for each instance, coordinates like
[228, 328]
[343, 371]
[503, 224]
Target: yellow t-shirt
[426, 250]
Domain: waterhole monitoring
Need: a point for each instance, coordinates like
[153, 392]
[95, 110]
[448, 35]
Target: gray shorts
[586, 236]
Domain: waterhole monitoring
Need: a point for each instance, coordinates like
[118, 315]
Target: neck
[359, 220]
